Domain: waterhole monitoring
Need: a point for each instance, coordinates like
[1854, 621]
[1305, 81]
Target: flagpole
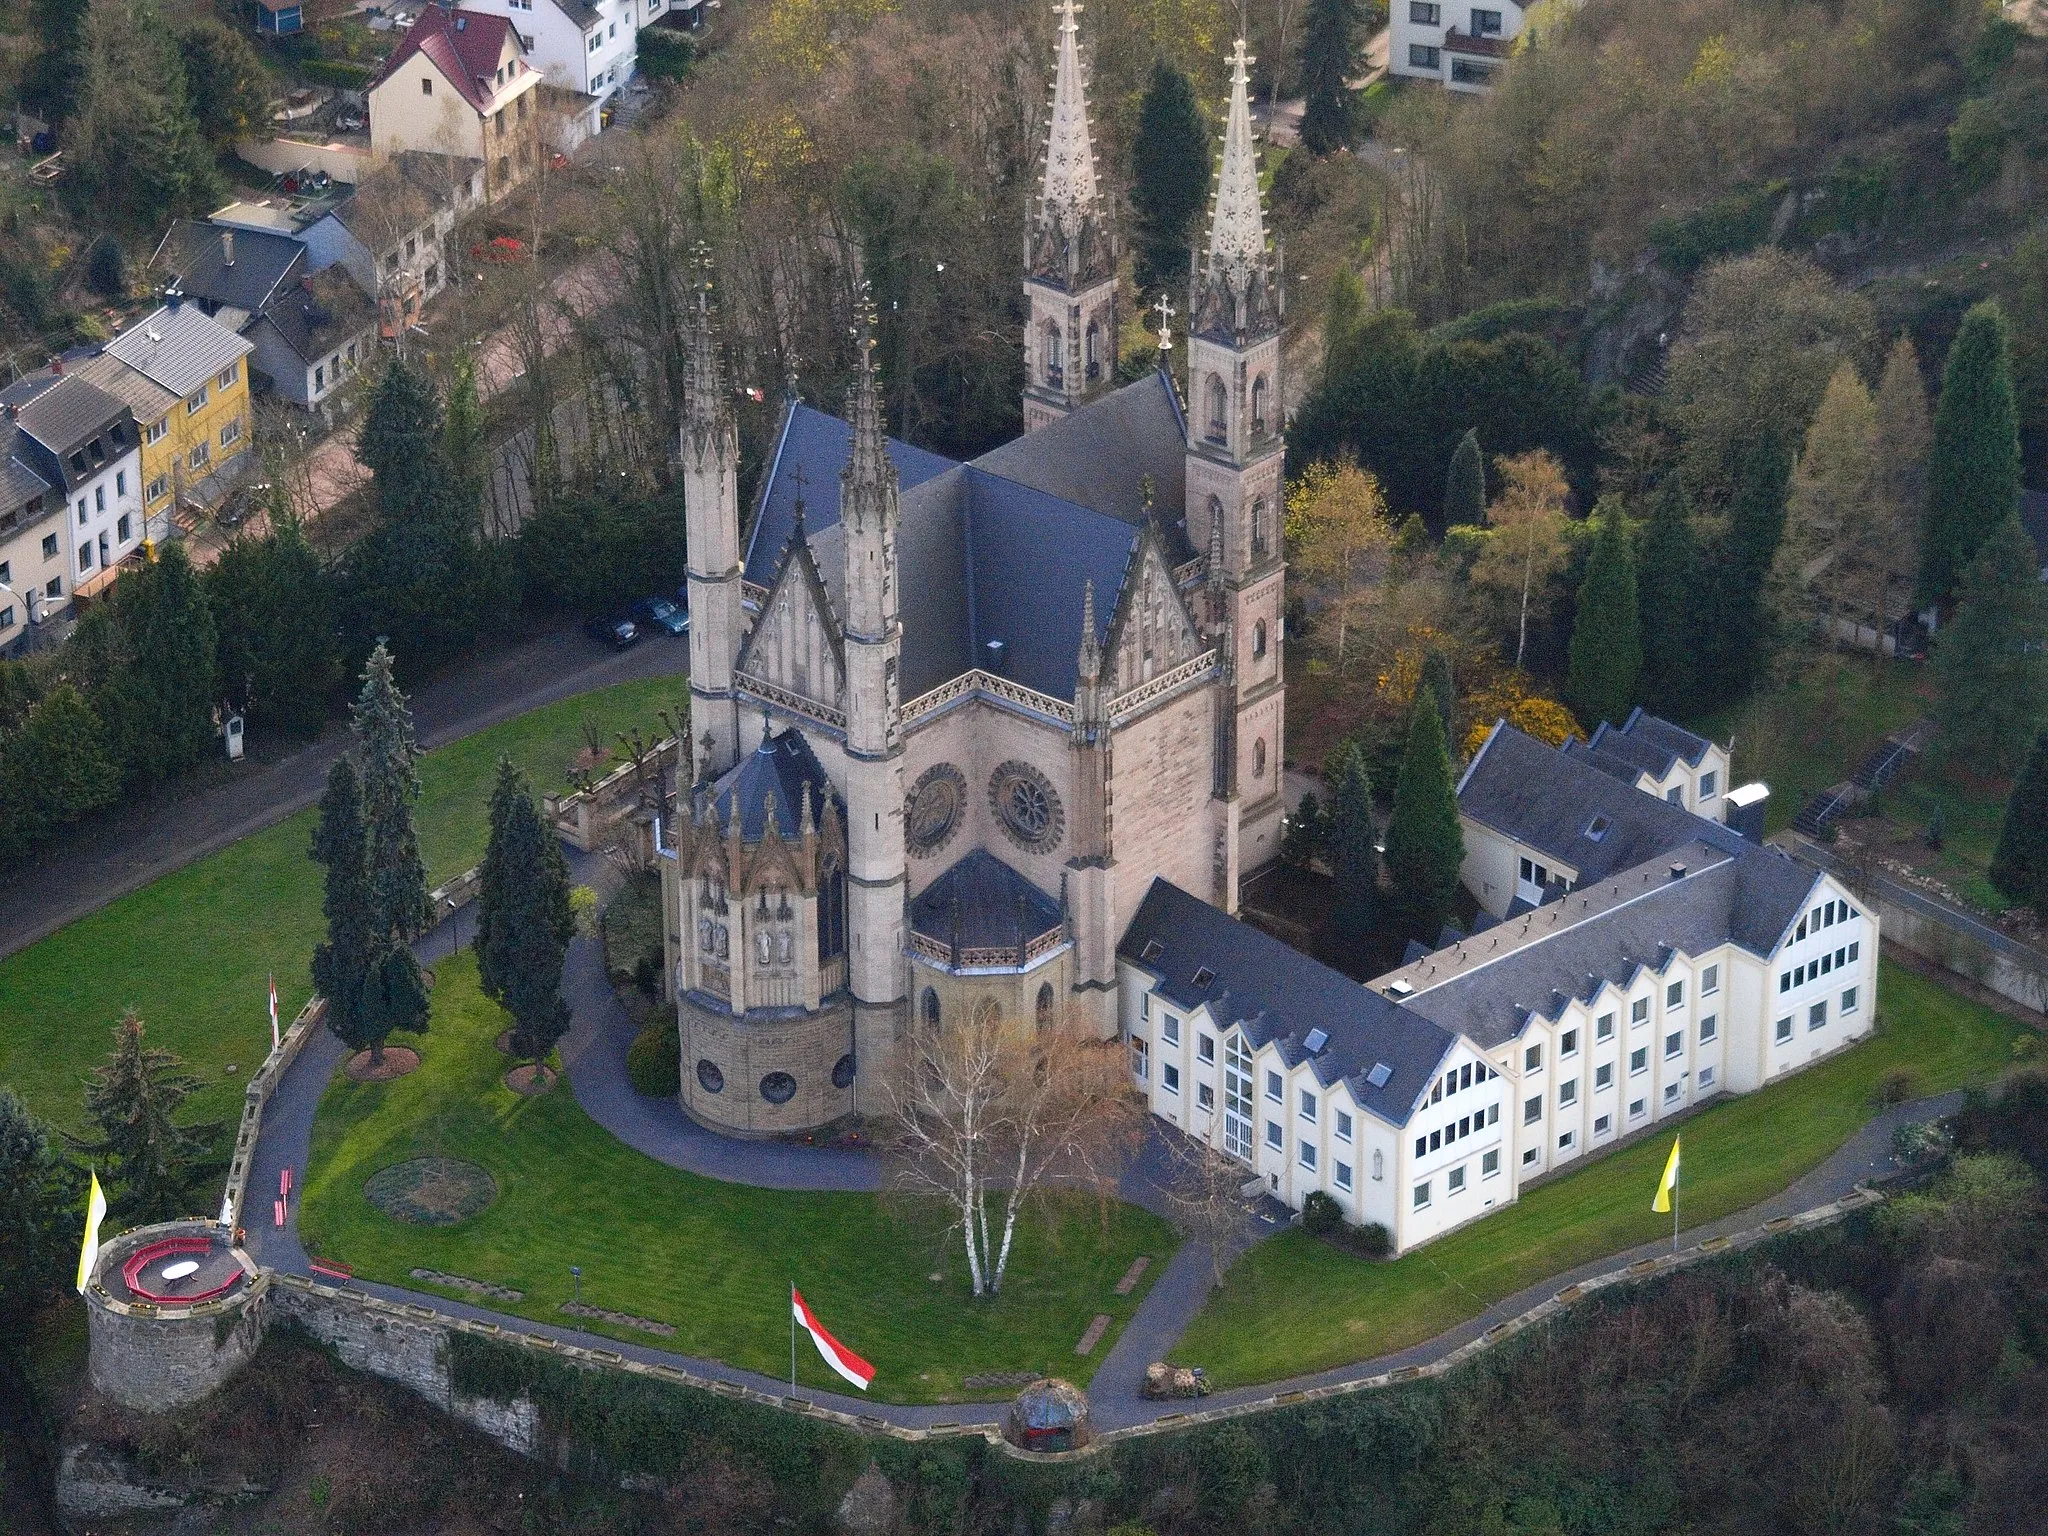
[792, 1338]
[1677, 1178]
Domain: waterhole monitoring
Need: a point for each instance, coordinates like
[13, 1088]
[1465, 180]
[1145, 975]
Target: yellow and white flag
[1667, 1185]
[89, 1251]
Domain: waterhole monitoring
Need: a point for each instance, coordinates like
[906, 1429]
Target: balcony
[1477, 47]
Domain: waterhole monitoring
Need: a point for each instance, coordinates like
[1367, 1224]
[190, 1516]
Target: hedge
[350, 77]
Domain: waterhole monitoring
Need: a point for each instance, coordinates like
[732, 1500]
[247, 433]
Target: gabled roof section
[180, 348]
[465, 46]
[321, 314]
[1276, 993]
[148, 400]
[799, 565]
[239, 269]
[65, 412]
[1661, 733]
[771, 780]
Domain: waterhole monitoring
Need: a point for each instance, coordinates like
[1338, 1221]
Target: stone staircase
[1871, 775]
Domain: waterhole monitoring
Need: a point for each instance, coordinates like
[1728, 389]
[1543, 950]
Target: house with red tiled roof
[460, 85]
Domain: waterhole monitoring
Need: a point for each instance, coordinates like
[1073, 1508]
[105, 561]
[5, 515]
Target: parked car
[242, 501]
[660, 613]
[618, 633]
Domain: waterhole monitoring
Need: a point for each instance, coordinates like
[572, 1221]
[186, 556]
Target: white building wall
[103, 518]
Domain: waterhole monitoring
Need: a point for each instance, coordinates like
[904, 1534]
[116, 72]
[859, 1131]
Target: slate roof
[319, 316]
[465, 46]
[1547, 799]
[999, 549]
[264, 262]
[18, 481]
[146, 398]
[774, 773]
[982, 903]
[179, 349]
[1748, 896]
[60, 414]
[1279, 994]
[1662, 734]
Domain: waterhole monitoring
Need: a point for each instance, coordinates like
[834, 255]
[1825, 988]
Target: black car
[618, 633]
[660, 613]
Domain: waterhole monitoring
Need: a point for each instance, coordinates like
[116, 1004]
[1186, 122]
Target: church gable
[1152, 631]
[795, 644]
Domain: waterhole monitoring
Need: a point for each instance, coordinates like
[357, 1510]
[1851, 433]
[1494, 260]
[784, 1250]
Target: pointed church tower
[1235, 451]
[1070, 255]
[711, 514]
[877, 889]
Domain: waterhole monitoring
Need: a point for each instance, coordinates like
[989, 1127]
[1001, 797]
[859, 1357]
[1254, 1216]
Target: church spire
[1234, 286]
[1070, 194]
[868, 483]
[705, 407]
[1089, 662]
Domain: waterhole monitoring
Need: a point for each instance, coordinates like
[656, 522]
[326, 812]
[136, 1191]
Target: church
[950, 721]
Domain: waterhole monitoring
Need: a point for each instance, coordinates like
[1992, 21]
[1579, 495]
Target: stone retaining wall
[261, 1085]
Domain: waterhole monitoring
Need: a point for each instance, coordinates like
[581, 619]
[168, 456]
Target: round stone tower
[172, 1311]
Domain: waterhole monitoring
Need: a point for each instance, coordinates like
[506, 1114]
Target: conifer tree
[1425, 843]
[524, 923]
[417, 572]
[1904, 435]
[279, 646]
[1169, 176]
[39, 1190]
[341, 962]
[1667, 576]
[1329, 58]
[1821, 572]
[1973, 464]
[1990, 665]
[1607, 642]
[462, 435]
[1465, 483]
[153, 1165]
[166, 689]
[1442, 686]
[1354, 860]
[397, 876]
[2019, 864]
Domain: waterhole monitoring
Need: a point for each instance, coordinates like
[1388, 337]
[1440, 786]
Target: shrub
[1896, 1087]
[1321, 1215]
[106, 269]
[654, 1062]
[1372, 1239]
[337, 72]
[647, 974]
[666, 54]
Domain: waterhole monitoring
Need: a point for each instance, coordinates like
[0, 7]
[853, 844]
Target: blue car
[616, 633]
[660, 613]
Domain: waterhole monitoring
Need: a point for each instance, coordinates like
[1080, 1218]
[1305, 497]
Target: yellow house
[199, 428]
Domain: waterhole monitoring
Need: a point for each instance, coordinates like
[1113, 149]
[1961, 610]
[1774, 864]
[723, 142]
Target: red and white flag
[273, 1010]
[837, 1355]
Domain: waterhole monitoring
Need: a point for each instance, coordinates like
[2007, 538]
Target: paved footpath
[594, 1054]
[128, 851]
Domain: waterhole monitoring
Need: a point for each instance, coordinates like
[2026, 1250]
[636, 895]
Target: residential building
[906, 805]
[199, 443]
[280, 18]
[460, 85]
[1633, 958]
[1460, 45]
[313, 339]
[34, 555]
[230, 273]
[585, 47]
[81, 442]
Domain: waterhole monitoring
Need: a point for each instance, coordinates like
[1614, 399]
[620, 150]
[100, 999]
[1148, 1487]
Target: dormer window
[1204, 976]
[1597, 828]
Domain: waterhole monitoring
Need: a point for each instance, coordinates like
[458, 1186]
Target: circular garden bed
[431, 1191]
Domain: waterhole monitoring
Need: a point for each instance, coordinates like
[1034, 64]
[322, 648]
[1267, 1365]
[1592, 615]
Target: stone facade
[152, 1358]
[765, 1075]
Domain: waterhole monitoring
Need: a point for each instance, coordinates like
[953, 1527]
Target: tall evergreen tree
[1330, 56]
[1904, 435]
[2019, 864]
[1442, 686]
[57, 768]
[138, 145]
[1169, 177]
[1354, 860]
[280, 644]
[462, 435]
[1425, 843]
[523, 919]
[1465, 483]
[1973, 464]
[1607, 642]
[1667, 580]
[396, 874]
[166, 689]
[417, 573]
[154, 1165]
[1734, 648]
[229, 90]
[341, 962]
[1991, 661]
[39, 1192]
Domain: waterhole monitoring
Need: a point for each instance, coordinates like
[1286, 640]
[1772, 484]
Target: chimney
[13, 411]
[227, 247]
[174, 298]
[1678, 871]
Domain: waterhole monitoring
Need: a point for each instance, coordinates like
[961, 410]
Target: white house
[585, 47]
[83, 444]
[1662, 960]
[1459, 44]
[460, 85]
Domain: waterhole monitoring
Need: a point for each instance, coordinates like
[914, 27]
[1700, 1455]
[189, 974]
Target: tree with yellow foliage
[1526, 544]
[1337, 532]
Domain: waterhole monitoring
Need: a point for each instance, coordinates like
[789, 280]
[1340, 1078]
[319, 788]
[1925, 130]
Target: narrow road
[141, 843]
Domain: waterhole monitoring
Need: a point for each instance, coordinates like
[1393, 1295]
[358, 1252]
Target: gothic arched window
[1045, 1005]
[1055, 364]
[1259, 523]
[1259, 638]
[1092, 351]
[928, 1005]
[1259, 758]
[1259, 404]
[1219, 409]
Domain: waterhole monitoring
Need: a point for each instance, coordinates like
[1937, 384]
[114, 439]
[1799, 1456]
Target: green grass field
[715, 1260]
[191, 952]
[1296, 1304]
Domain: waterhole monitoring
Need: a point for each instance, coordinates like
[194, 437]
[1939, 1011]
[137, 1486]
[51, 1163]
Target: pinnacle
[1070, 190]
[1237, 228]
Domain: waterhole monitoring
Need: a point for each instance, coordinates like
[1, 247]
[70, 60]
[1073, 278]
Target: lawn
[191, 952]
[1295, 1304]
[714, 1260]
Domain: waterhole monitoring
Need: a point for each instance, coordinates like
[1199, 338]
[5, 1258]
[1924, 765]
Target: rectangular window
[319, 378]
[1343, 1125]
[1710, 1026]
[1436, 1141]
[1308, 1155]
[1854, 949]
[1532, 1110]
[85, 557]
[1205, 1047]
[83, 514]
[1784, 981]
[228, 375]
[1465, 1077]
[200, 456]
[1710, 981]
[1674, 994]
[196, 403]
[1274, 1138]
[1567, 1141]
[1568, 1043]
[49, 546]
[1464, 1125]
[1422, 56]
[1138, 1052]
[99, 498]
[1639, 1059]
[1532, 1059]
[1707, 786]
[1424, 14]
[426, 85]
[231, 433]
[1639, 1010]
[1568, 1092]
[1674, 1043]
[1169, 1077]
[1489, 1163]
[1603, 1124]
[1205, 1096]
[1454, 1180]
[1343, 1175]
[154, 432]
[1603, 1075]
[7, 617]
[1275, 1090]
[1817, 1015]
[1421, 1146]
[1486, 23]
[120, 482]
[1169, 1029]
[1706, 1077]
[1848, 1000]
[1493, 1114]
[1603, 1027]
[1531, 1155]
[1308, 1106]
[1670, 1094]
[1676, 794]
[1422, 1194]
[1635, 1109]
[1784, 1030]
[157, 488]
[121, 528]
